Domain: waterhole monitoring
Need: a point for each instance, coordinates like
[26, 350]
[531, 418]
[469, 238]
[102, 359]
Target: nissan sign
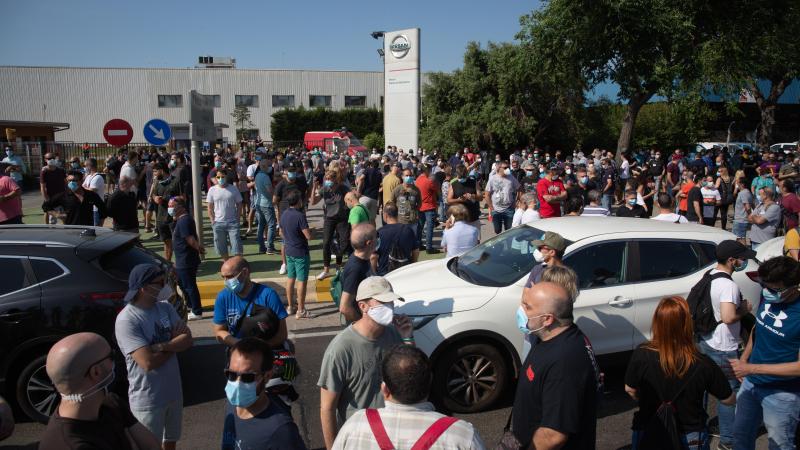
[399, 46]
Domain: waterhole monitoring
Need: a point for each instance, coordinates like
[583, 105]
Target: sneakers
[283, 269]
[303, 314]
[322, 275]
[271, 251]
[432, 251]
[193, 316]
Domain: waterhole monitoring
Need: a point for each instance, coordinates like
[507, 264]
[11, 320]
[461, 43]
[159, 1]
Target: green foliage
[373, 140]
[241, 117]
[291, 124]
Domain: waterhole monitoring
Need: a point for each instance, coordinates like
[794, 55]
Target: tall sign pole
[197, 207]
[201, 128]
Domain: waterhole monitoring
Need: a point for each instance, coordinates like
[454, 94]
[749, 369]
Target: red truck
[333, 142]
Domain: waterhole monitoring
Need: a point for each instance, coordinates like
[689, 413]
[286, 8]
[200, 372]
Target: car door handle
[15, 316]
[620, 302]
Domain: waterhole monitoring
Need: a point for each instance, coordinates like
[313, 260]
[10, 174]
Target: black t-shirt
[77, 212]
[468, 187]
[372, 182]
[392, 234]
[694, 195]
[107, 432]
[122, 207]
[335, 208]
[115, 165]
[607, 174]
[558, 387]
[186, 257]
[354, 272]
[171, 187]
[184, 175]
[645, 375]
[54, 180]
[272, 428]
[636, 211]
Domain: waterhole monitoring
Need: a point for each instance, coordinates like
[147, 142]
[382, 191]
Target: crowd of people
[380, 211]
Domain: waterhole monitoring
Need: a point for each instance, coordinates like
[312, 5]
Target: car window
[13, 275]
[499, 261]
[45, 269]
[119, 262]
[598, 265]
[668, 259]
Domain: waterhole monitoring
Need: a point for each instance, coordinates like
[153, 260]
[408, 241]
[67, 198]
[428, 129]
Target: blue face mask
[584, 180]
[291, 175]
[233, 284]
[327, 184]
[241, 394]
[770, 296]
[73, 186]
[472, 174]
[222, 181]
[528, 173]
[408, 180]
[171, 211]
[217, 164]
[522, 321]
[258, 158]
[462, 180]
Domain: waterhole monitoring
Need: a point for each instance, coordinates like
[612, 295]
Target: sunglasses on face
[244, 377]
[110, 356]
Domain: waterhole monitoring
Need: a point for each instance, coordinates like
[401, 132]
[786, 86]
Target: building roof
[29, 123]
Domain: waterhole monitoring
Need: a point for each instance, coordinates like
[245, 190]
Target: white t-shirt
[517, 220]
[711, 195]
[129, 171]
[725, 337]
[625, 170]
[95, 183]
[226, 200]
[671, 217]
[530, 215]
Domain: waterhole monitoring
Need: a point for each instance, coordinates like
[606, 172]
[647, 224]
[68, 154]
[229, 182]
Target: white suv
[463, 307]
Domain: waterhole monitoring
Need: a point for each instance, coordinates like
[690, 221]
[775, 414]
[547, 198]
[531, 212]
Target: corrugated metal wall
[87, 98]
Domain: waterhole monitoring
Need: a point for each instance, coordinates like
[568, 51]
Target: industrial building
[81, 100]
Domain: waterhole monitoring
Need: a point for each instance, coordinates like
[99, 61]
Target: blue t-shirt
[293, 222]
[776, 340]
[390, 235]
[263, 190]
[229, 306]
[273, 428]
[185, 256]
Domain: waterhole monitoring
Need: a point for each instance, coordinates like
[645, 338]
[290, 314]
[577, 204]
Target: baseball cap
[552, 240]
[733, 249]
[378, 288]
[139, 277]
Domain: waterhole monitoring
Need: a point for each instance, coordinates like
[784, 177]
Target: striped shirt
[405, 424]
[595, 211]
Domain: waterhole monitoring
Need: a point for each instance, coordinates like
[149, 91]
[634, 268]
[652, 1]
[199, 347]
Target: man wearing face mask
[224, 209]
[501, 195]
[121, 208]
[631, 208]
[350, 376]
[76, 202]
[81, 367]
[551, 192]
[559, 381]
[722, 343]
[241, 297]
[255, 419]
[548, 253]
[408, 200]
[187, 254]
[51, 182]
[769, 363]
[150, 334]
[164, 188]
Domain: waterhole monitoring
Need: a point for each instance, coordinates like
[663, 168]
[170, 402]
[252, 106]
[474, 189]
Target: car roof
[578, 228]
[87, 246]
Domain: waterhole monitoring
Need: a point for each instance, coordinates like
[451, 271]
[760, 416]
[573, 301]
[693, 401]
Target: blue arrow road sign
[157, 132]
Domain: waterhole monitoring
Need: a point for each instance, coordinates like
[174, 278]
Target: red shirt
[547, 187]
[790, 204]
[428, 189]
[12, 208]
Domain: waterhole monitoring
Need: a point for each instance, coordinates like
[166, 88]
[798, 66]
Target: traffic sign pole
[196, 183]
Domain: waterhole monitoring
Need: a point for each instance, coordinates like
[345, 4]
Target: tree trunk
[626, 133]
[767, 106]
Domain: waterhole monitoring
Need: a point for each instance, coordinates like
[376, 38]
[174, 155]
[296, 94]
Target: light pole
[380, 35]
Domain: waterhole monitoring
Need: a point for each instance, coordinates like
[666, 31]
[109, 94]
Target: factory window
[320, 101]
[217, 101]
[355, 101]
[283, 101]
[251, 101]
[170, 101]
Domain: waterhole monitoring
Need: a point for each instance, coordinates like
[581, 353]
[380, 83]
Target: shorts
[245, 197]
[740, 229]
[164, 422]
[151, 206]
[164, 232]
[298, 267]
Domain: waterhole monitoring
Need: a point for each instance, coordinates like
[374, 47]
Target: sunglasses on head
[244, 377]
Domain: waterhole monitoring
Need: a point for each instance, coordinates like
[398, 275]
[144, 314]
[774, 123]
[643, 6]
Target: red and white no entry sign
[118, 132]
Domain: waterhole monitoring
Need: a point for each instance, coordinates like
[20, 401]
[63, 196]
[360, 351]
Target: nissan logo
[399, 46]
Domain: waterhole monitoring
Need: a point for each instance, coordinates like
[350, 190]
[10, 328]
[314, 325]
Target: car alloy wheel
[472, 379]
[36, 395]
[469, 377]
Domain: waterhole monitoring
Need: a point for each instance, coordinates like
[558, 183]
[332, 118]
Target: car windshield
[500, 261]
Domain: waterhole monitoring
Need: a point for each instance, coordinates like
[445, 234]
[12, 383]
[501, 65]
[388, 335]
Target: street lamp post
[380, 35]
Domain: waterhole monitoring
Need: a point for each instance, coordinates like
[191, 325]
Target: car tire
[470, 378]
[36, 395]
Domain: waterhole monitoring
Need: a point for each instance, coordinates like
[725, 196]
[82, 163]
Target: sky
[260, 34]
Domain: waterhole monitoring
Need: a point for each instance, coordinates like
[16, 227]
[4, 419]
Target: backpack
[699, 301]
[336, 288]
[662, 431]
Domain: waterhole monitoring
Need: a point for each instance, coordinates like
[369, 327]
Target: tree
[291, 124]
[241, 117]
[754, 50]
[646, 47]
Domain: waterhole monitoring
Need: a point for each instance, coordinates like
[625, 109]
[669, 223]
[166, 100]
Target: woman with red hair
[669, 372]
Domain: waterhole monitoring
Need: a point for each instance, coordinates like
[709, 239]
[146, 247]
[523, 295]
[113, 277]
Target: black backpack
[699, 301]
[663, 432]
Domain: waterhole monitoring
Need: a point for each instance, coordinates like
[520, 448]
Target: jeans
[726, 413]
[265, 218]
[777, 409]
[607, 201]
[226, 234]
[698, 438]
[502, 220]
[187, 280]
[425, 222]
[96, 218]
[342, 229]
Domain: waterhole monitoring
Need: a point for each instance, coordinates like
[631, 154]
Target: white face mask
[538, 256]
[382, 314]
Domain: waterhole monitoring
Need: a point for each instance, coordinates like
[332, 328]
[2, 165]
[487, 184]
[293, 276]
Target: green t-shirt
[358, 215]
[351, 367]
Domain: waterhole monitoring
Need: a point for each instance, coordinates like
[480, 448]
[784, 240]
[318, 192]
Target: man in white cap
[350, 376]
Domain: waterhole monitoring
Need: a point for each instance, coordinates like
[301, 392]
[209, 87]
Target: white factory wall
[87, 98]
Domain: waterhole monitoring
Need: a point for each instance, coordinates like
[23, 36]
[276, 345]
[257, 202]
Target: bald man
[81, 367]
[233, 301]
[364, 239]
[559, 381]
[358, 212]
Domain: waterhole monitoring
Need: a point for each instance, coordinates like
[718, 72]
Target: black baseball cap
[733, 249]
[141, 276]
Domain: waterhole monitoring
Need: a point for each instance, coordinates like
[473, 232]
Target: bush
[373, 140]
[292, 124]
